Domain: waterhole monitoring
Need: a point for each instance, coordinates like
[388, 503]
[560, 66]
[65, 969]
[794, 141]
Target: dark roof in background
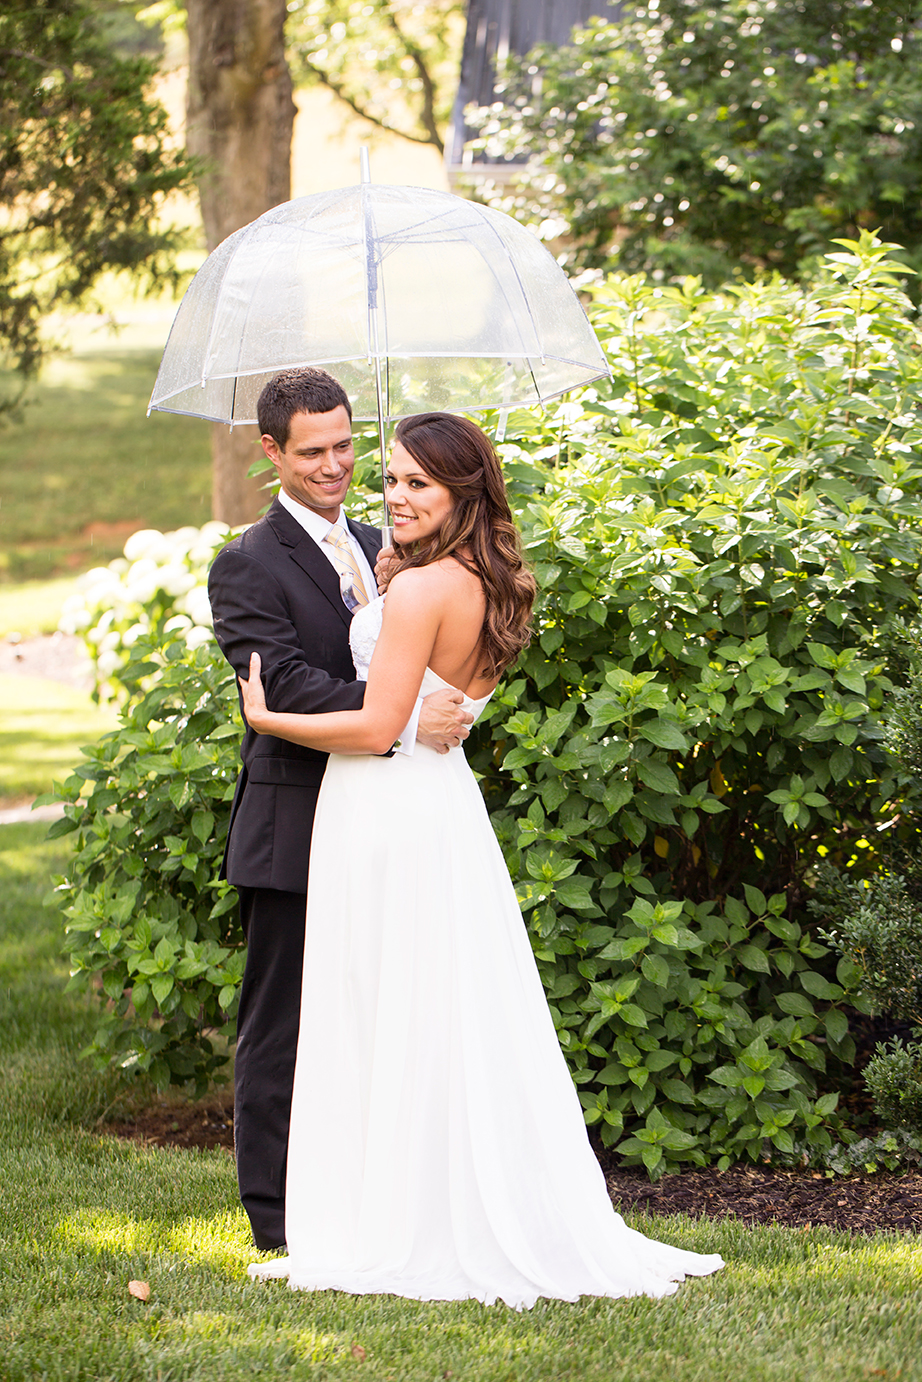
[496, 28]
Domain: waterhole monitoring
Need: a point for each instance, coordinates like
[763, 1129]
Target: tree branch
[41, 62]
[427, 118]
[340, 91]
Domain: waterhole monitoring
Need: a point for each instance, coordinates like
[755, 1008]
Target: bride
[437, 1147]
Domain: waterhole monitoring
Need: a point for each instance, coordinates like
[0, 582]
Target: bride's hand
[385, 566]
[254, 697]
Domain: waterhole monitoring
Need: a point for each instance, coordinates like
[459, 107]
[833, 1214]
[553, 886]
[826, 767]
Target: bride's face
[419, 505]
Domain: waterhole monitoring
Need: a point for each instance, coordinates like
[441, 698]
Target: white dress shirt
[317, 527]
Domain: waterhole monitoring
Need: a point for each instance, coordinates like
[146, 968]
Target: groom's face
[317, 462]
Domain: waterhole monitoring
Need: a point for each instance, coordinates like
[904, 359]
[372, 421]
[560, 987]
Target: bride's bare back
[456, 598]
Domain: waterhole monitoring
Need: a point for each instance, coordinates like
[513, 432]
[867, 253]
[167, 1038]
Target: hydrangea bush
[722, 539]
[158, 587]
[725, 539]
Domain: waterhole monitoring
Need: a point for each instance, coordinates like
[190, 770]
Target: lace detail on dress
[363, 634]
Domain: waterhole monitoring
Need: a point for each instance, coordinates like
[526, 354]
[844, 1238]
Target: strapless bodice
[363, 635]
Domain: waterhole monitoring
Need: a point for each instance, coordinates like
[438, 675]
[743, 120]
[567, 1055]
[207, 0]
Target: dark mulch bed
[207, 1124]
[768, 1195]
[751, 1194]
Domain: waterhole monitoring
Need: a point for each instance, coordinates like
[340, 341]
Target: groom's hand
[443, 724]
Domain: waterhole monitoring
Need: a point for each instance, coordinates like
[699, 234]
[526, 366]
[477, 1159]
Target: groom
[286, 589]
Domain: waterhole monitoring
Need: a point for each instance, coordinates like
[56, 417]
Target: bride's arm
[412, 616]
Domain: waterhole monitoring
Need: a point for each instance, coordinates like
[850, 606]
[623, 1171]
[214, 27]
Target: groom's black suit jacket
[273, 592]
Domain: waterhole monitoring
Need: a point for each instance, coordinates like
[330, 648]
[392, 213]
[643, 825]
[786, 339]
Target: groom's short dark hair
[304, 390]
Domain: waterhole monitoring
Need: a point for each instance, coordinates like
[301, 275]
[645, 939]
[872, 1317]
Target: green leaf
[633, 1015]
[794, 1004]
[617, 794]
[754, 958]
[677, 1091]
[823, 656]
[651, 1157]
[226, 732]
[656, 969]
[755, 900]
[658, 776]
[161, 986]
[665, 734]
[202, 825]
[666, 934]
[819, 987]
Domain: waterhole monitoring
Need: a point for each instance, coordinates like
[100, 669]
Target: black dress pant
[267, 1042]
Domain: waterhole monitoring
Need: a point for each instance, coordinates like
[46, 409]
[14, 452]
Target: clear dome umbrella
[416, 300]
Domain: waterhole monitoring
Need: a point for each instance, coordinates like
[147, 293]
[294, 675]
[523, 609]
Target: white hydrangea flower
[108, 662]
[162, 572]
[175, 579]
[198, 636]
[196, 604]
[97, 575]
[150, 543]
[103, 625]
[132, 634]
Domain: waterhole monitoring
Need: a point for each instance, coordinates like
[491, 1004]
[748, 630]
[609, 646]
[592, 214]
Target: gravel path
[56, 656]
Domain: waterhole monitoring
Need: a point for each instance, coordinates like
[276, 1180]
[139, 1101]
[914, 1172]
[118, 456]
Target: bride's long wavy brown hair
[478, 532]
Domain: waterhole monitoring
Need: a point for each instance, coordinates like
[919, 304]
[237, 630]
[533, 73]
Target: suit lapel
[311, 560]
[308, 556]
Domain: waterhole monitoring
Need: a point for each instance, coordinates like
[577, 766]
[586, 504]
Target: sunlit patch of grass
[220, 1241]
[84, 466]
[42, 728]
[34, 607]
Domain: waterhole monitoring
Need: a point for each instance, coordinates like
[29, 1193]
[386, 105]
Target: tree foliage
[392, 62]
[85, 165]
[722, 137]
[722, 539]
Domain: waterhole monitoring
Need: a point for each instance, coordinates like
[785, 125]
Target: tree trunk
[239, 119]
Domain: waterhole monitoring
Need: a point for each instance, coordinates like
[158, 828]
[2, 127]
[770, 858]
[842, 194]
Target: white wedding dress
[437, 1147]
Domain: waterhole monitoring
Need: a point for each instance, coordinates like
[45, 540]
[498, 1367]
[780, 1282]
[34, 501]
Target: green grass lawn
[83, 466]
[84, 1214]
[33, 607]
[42, 726]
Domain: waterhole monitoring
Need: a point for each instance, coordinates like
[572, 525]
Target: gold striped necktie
[346, 565]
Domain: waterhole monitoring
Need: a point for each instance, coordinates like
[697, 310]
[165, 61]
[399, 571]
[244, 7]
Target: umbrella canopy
[416, 300]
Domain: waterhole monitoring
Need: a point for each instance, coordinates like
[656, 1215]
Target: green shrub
[719, 552]
[148, 923]
[894, 1077]
[876, 922]
[722, 539]
[887, 1151]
